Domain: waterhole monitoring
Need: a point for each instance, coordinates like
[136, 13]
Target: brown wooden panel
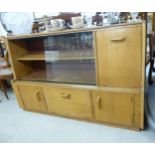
[17, 93]
[117, 108]
[119, 57]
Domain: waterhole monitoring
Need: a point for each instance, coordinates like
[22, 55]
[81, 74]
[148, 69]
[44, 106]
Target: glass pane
[69, 46]
[67, 58]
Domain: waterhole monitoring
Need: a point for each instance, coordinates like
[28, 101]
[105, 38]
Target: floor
[150, 103]
[17, 125]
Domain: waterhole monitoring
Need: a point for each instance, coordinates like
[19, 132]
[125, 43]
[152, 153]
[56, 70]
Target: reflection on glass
[134, 15]
[78, 45]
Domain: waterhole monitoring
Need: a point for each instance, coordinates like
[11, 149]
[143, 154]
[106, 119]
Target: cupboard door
[68, 101]
[32, 97]
[119, 57]
[117, 108]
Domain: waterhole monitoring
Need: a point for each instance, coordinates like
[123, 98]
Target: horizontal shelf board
[27, 58]
[55, 57]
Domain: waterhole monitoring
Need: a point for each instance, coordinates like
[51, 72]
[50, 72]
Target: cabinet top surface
[84, 29]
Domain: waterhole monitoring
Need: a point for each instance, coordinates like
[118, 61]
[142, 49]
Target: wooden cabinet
[32, 97]
[119, 57]
[114, 107]
[69, 101]
[95, 74]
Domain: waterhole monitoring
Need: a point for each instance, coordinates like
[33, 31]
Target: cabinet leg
[150, 81]
[153, 69]
[3, 87]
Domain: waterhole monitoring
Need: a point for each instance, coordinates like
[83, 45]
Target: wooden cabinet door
[119, 56]
[32, 97]
[115, 108]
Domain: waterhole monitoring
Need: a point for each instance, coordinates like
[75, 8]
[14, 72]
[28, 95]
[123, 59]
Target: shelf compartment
[64, 73]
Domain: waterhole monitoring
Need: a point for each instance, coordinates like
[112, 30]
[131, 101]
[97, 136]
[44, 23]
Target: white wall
[2, 31]
[18, 22]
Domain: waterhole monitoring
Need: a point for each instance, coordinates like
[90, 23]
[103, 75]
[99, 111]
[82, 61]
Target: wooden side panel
[143, 53]
[16, 50]
[119, 57]
[139, 110]
[17, 93]
[68, 101]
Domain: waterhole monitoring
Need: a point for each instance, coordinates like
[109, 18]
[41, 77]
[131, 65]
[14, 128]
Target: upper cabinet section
[105, 56]
[119, 56]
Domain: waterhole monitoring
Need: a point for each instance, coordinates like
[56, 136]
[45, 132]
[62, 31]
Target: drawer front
[69, 101]
[114, 107]
[68, 94]
[119, 55]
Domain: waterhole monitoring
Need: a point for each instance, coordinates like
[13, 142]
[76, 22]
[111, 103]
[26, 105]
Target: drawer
[69, 101]
[69, 94]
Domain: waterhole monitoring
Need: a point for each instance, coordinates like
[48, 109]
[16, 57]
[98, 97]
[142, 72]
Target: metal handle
[38, 95]
[118, 39]
[66, 96]
[98, 99]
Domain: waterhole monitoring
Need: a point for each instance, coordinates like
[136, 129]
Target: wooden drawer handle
[98, 99]
[118, 39]
[38, 95]
[65, 96]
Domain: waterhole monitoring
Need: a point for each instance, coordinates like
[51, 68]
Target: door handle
[98, 99]
[38, 95]
[118, 39]
[65, 96]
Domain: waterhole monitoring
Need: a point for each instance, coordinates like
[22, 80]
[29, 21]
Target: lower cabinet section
[122, 108]
[117, 108]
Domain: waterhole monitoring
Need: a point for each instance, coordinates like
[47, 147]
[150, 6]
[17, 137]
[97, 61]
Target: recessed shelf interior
[66, 72]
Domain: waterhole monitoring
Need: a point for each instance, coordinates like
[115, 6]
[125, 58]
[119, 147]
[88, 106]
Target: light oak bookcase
[94, 74]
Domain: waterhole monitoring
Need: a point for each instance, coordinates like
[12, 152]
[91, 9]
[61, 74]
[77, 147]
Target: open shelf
[54, 56]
